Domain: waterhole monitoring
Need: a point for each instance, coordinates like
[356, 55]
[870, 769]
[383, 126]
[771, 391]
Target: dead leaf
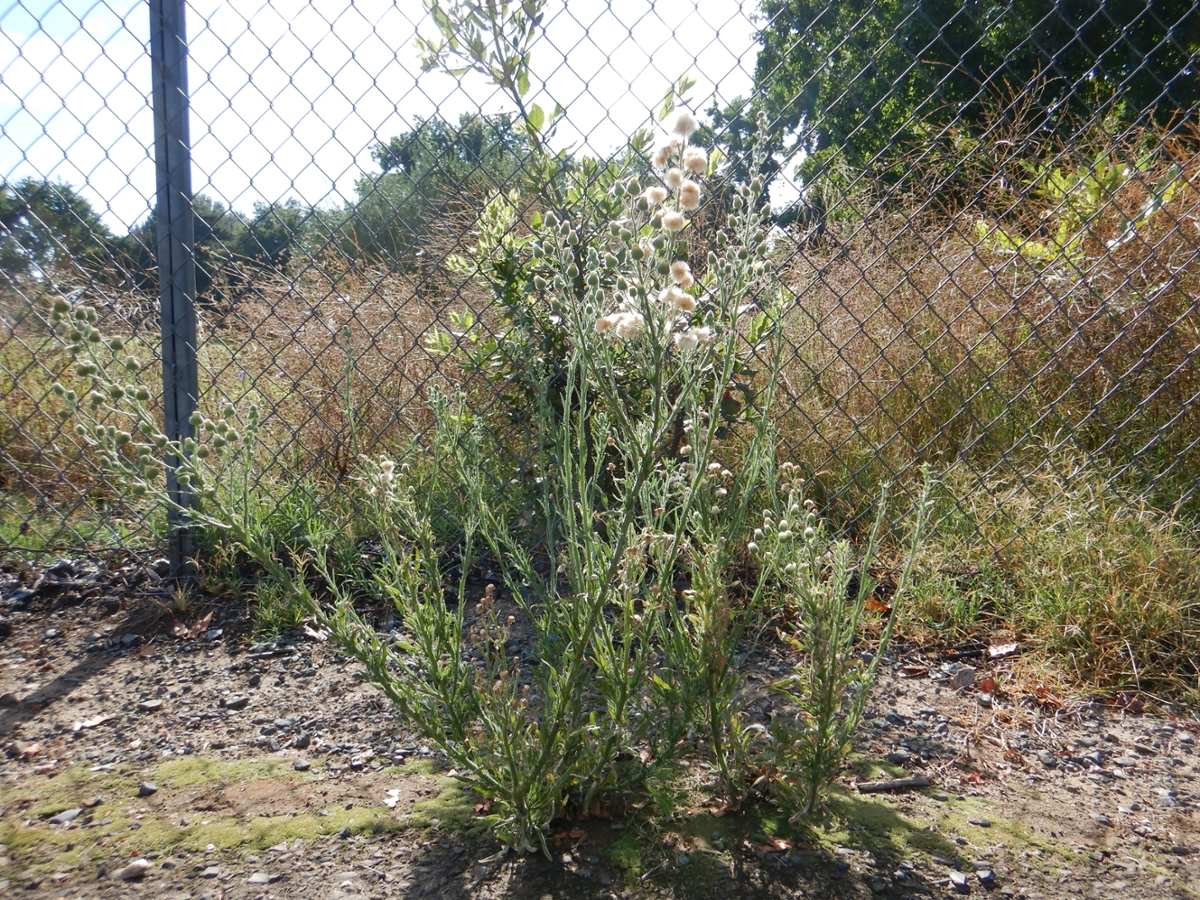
[777, 845]
[576, 833]
[146, 651]
[186, 633]
[1045, 699]
[914, 671]
[1000, 651]
[988, 685]
[90, 723]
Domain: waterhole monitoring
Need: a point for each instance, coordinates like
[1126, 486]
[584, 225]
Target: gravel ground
[138, 761]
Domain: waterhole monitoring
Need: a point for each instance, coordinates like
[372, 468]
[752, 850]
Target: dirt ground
[144, 759]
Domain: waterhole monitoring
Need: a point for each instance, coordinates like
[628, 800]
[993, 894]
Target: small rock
[146, 788]
[1125, 762]
[211, 872]
[345, 832]
[301, 764]
[841, 865]
[986, 877]
[962, 679]
[684, 859]
[237, 702]
[1048, 759]
[9, 699]
[899, 757]
[149, 705]
[1180, 850]
[980, 822]
[984, 699]
[1101, 819]
[135, 869]
[129, 640]
[260, 878]
[958, 881]
[302, 741]
[67, 815]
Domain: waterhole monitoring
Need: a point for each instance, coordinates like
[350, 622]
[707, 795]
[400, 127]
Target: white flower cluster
[679, 161]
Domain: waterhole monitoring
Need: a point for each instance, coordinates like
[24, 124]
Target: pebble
[1048, 759]
[135, 869]
[67, 815]
[211, 872]
[149, 705]
[237, 702]
[1101, 819]
[986, 877]
[962, 679]
[980, 822]
[259, 878]
[146, 788]
[958, 880]
[302, 741]
[1126, 762]
[301, 764]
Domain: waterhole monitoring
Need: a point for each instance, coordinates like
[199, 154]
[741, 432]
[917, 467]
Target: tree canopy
[45, 227]
[861, 78]
[427, 174]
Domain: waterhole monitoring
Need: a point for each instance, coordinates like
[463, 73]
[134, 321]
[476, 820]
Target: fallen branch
[896, 784]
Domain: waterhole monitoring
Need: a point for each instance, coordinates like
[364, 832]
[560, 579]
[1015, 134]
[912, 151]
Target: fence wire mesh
[987, 214]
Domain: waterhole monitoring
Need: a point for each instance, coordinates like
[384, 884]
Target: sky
[288, 97]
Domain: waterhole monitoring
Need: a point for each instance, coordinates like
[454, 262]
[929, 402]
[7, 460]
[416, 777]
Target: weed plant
[622, 571]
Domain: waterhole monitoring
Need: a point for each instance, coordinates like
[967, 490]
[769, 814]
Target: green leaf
[523, 86]
[437, 341]
[668, 103]
[537, 117]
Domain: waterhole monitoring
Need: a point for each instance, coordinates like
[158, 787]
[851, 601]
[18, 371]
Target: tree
[273, 233]
[219, 234]
[864, 79]
[427, 176]
[47, 228]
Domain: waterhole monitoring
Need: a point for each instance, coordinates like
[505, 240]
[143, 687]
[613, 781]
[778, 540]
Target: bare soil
[237, 766]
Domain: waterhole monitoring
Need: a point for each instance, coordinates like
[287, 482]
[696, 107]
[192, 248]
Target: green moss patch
[188, 771]
[452, 805]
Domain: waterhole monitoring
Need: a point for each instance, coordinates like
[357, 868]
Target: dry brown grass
[921, 339]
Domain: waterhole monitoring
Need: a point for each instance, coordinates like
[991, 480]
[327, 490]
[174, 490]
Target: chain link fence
[987, 214]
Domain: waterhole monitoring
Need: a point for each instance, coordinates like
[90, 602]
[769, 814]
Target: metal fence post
[176, 254]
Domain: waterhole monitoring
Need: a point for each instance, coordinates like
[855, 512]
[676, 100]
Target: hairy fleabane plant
[651, 440]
